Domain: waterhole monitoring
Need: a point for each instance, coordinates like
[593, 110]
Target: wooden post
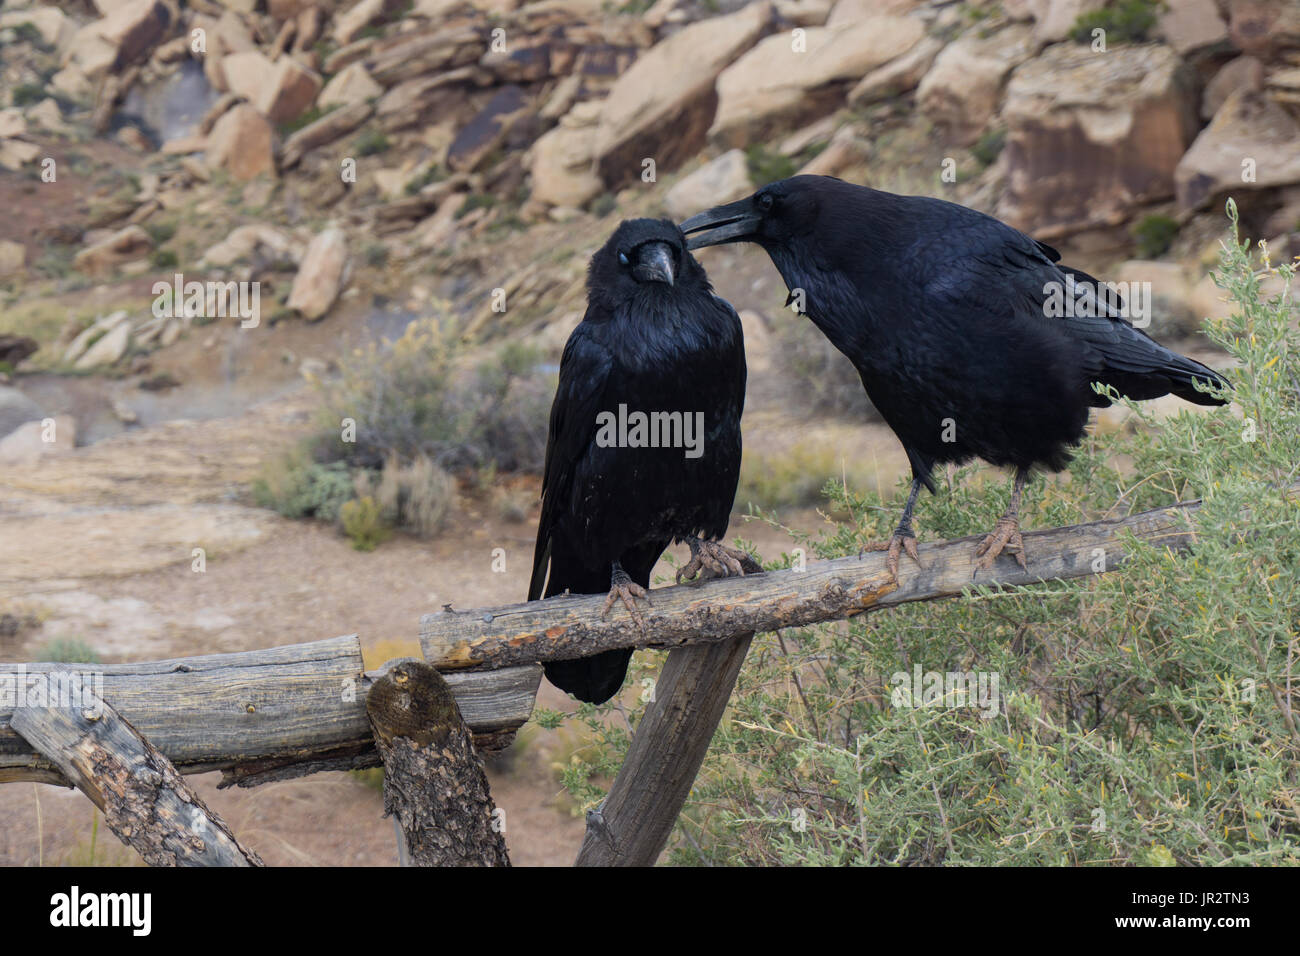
[632, 825]
[434, 782]
[145, 801]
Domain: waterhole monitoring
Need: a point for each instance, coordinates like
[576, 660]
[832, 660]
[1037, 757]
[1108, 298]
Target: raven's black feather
[653, 346]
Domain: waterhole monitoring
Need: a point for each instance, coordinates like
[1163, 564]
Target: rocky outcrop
[563, 160]
[671, 86]
[1249, 145]
[103, 257]
[1090, 136]
[717, 181]
[804, 75]
[241, 144]
[321, 276]
[961, 92]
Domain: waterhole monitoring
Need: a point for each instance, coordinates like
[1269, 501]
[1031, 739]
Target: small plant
[475, 201]
[298, 487]
[766, 166]
[28, 94]
[375, 255]
[363, 523]
[372, 142]
[989, 146]
[68, 650]
[1125, 21]
[1154, 235]
[163, 259]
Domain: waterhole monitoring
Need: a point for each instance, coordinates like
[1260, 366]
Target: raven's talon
[1005, 536]
[628, 591]
[718, 560]
[902, 540]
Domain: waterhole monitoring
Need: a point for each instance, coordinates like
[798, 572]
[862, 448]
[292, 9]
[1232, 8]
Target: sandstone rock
[15, 154]
[291, 89]
[718, 181]
[325, 130]
[1192, 25]
[487, 130]
[77, 347]
[424, 54]
[246, 242]
[804, 13]
[671, 86]
[563, 159]
[51, 23]
[960, 93]
[1264, 27]
[1054, 19]
[240, 142]
[1090, 136]
[28, 442]
[110, 253]
[247, 73]
[13, 257]
[848, 12]
[47, 115]
[1250, 144]
[124, 36]
[351, 85]
[898, 75]
[16, 348]
[355, 19]
[108, 349]
[842, 152]
[12, 123]
[321, 276]
[1245, 72]
[434, 232]
[779, 79]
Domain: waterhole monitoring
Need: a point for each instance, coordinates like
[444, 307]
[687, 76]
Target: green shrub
[1154, 235]
[1125, 21]
[416, 497]
[298, 487]
[363, 523]
[766, 166]
[67, 650]
[1144, 716]
[372, 142]
[163, 259]
[415, 397]
[988, 147]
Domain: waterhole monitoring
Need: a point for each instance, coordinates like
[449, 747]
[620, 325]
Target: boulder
[788, 76]
[247, 73]
[355, 19]
[327, 129]
[353, 84]
[1250, 144]
[718, 181]
[124, 36]
[1264, 28]
[899, 75]
[1244, 72]
[563, 159]
[1054, 19]
[97, 329]
[1091, 136]
[110, 253]
[1192, 25]
[12, 123]
[51, 23]
[291, 89]
[477, 140]
[16, 348]
[108, 349]
[321, 276]
[240, 142]
[961, 91]
[671, 86]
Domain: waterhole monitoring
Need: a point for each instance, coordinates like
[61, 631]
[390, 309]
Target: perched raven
[644, 443]
[971, 339]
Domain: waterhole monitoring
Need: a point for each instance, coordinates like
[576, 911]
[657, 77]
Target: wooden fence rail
[298, 709]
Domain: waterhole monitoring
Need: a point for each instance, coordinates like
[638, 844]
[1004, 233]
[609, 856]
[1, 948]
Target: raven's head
[641, 255]
[778, 214]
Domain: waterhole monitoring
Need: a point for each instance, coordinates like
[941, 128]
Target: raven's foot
[623, 588]
[713, 559]
[902, 540]
[1004, 536]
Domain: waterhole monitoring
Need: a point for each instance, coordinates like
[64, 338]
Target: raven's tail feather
[591, 679]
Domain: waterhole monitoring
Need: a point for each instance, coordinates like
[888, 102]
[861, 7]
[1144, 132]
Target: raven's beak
[654, 263]
[734, 222]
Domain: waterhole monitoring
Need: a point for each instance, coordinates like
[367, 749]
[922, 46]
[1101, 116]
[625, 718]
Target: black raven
[644, 443]
[971, 339]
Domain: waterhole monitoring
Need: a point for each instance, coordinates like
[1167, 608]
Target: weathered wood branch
[569, 626]
[145, 801]
[434, 784]
[631, 827]
[258, 715]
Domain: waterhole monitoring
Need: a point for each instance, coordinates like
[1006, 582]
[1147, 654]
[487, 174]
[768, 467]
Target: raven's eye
[622, 259]
[765, 202]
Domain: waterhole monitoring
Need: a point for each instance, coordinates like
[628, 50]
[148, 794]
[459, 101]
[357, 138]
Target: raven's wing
[992, 270]
[584, 373]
